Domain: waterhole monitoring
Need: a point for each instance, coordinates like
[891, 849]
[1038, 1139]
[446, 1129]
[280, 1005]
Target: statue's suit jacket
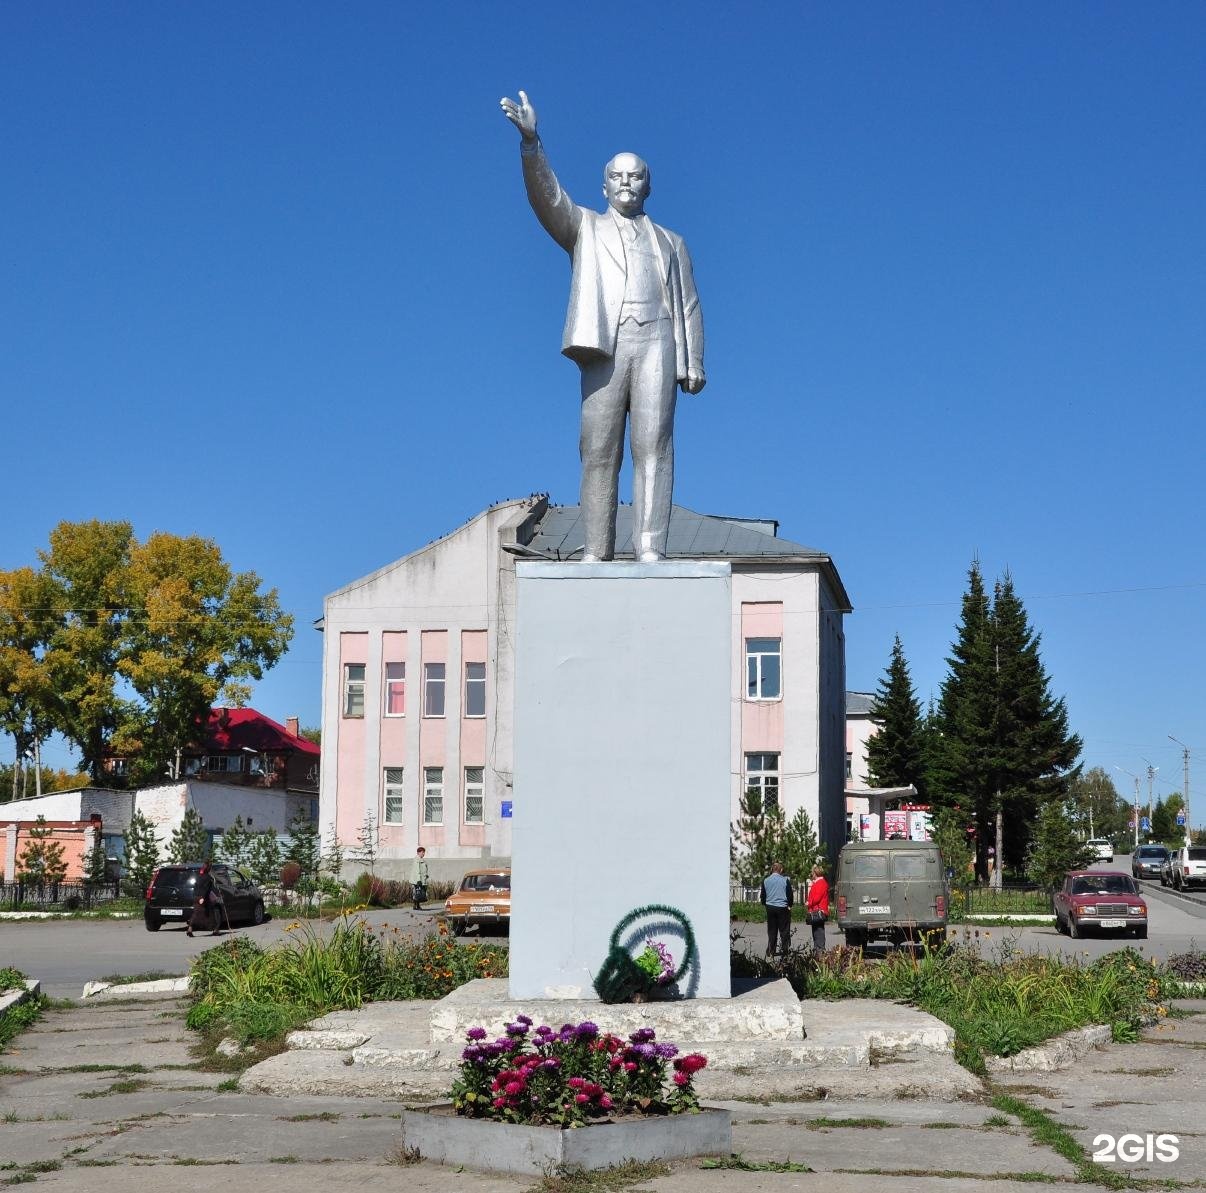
[600, 271]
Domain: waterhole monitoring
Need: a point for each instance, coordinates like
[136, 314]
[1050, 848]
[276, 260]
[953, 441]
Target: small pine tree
[190, 842]
[955, 844]
[235, 843]
[368, 839]
[751, 849]
[142, 855]
[306, 851]
[798, 849]
[264, 857]
[96, 869]
[1056, 848]
[332, 858]
[41, 860]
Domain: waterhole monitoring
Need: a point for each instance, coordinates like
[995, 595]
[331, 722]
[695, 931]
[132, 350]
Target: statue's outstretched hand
[521, 114]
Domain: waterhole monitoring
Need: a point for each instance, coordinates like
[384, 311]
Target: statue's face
[626, 183]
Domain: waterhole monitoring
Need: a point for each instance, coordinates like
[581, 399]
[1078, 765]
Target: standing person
[776, 898]
[203, 898]
[419, 881]
[817, 904]
[634, 328]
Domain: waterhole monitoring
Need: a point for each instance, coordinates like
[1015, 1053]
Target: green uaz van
[891, 890]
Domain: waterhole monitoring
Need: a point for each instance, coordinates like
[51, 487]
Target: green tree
[264, 858]
[1057, 848]
[142, 855]
[1164, 819]
[368, 838]
[41, 860]
[896, 753]
[96, 868]
[1095, 805]
[311, 733]
[1002, 745]
[754, 839]
[305, 848]
[190, 842]
[798, 848]
[332, 857]
[954, 840]
[235, 843]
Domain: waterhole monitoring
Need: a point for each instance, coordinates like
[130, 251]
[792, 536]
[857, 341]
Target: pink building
[861, 797]
[418, 663]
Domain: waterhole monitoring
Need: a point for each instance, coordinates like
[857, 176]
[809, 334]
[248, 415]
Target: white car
[1187, 867]
[1100, 850]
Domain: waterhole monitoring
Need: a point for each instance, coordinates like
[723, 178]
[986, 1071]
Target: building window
[433, 689]
[763, 657]
[762, 778]
[475, 794]
[433, 795]
[224, 764]
[391, 790]
[475, 689]
[395, 689]
[353, 689]
[849, 766]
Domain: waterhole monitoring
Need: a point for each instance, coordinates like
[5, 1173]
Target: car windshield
[1105, 884]
[1152, 851]
[486, 882]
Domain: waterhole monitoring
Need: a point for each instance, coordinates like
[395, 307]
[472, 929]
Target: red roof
[232, 729]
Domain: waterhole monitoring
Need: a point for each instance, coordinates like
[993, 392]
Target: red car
[1103, 899]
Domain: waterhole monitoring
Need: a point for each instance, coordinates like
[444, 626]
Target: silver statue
[635, 329]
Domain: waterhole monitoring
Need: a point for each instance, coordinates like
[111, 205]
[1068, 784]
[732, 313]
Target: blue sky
[270, 277]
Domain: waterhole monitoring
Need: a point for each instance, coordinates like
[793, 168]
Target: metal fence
[1010, 899]
[57, 896]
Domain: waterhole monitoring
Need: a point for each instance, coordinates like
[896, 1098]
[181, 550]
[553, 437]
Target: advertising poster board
[868, 826]
[896, 823]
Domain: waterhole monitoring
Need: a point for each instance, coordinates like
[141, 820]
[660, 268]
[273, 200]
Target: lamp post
[1151, 782]
[1185, 782]
[1134, 822]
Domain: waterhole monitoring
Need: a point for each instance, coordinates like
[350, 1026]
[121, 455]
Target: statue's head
[626, 183]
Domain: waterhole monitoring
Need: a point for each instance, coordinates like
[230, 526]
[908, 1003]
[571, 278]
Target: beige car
[483, 900]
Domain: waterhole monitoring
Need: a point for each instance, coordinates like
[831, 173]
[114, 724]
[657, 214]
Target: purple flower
[643, 1035]
[476, 1033]
[472, 1053]
[524, 1020]
[586, 1030]
[517, 1029]
[550, 1063]
[543, 1032]
[665, 1051]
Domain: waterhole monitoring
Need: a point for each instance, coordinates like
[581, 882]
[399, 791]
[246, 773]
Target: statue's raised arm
[553, 207]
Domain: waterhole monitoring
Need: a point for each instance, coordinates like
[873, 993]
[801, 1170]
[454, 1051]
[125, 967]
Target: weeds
[737, 1163]
[131, 1086]
[605, 1180]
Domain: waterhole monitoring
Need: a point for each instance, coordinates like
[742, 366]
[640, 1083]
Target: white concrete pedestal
[623, 681]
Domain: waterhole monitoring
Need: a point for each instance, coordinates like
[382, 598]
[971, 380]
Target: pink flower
[681, 1079]
[576, 1082]
[499, 1103]
[606, 1102]
[630, 1066]
[581, 1099]
[514, 1087]
[691, 1063]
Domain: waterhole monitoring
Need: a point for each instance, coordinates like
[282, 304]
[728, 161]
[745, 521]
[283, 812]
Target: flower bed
[532, 1089]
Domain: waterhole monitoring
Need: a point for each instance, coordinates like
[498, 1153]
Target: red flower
[691, 1063]
[681, 1079]
[581, 1099]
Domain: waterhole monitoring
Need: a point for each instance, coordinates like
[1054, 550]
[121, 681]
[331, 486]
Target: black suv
[170, 896]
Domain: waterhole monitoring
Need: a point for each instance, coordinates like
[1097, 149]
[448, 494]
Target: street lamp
[1151, 782]
[1185, 781]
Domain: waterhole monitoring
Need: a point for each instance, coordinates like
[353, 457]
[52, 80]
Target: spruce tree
[332, 856]
[96, 867]
[305, 848]
[1057, 848]
[41, 860]
[754, 839]
[264, 858]
[896, 753]
[190, 842]
[142, 855]
[235, 843]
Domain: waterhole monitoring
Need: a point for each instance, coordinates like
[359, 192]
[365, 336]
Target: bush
[259, 994]
[1187, 967]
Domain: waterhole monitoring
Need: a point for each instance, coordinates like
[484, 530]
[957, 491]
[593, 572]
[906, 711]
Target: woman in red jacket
[817, 904]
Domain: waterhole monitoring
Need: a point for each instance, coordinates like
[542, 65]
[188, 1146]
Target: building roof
[858, 704]
[560, 534]
[234, 729]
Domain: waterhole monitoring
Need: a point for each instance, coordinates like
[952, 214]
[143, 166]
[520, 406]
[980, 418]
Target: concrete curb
[11, 997]
[66, 915]
[1056, 1053]
[102, 990]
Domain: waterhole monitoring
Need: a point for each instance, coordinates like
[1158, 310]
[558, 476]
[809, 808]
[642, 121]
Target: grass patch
[866, 1123]
[998, 1120]
[103, 1069]
[228, 1086]
[20, 1015]
[605, 1180]
[96, 1163]
[258, 995]
[755, 913]
[131, 1086]
[327, 1116]
[283, 1160]
[128, 979]
[737, 1164]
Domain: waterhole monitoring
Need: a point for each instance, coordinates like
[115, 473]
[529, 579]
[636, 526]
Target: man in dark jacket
[205, 897]
[776, 898]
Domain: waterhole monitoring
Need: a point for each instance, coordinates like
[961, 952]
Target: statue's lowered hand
[520, 114]
[695, 382]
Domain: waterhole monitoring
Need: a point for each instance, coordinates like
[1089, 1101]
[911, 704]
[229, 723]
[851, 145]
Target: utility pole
[1151, 781]
[1185, 782]
[1135, 821]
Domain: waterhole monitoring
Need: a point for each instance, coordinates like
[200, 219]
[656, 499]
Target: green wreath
[620, 977]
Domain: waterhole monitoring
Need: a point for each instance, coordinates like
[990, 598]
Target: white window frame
[475, 789]
[351, 686]
[430, 685]
[391, 789]
[753, 660]
[762, 777]
[433, 788]
[476, 681]
[392, 683]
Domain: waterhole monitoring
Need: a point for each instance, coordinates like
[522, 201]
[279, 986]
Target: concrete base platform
[852, 1049]
[760, 1011]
